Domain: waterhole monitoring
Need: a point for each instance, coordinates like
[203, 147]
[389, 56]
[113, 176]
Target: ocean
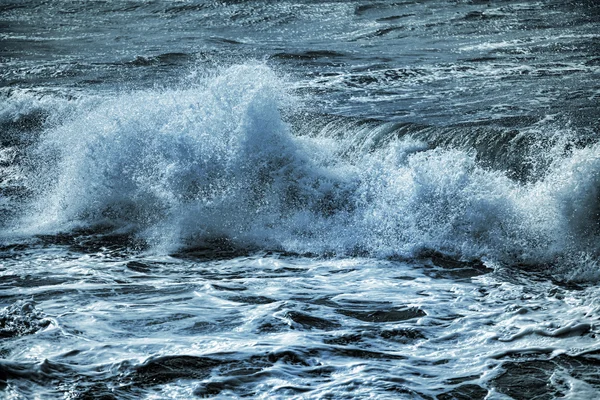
[392, 199]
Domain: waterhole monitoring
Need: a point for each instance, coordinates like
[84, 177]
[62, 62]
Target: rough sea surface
[299, 199]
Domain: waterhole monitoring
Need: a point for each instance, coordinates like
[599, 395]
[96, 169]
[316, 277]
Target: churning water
[300, 199]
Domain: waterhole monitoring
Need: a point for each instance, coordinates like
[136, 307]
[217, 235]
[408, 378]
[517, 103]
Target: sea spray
[181, 168]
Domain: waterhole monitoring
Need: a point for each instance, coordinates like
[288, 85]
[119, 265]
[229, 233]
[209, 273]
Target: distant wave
[184, 167]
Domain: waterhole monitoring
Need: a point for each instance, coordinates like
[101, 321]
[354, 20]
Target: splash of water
[183, 167]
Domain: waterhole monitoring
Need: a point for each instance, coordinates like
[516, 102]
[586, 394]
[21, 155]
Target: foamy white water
[274, 327]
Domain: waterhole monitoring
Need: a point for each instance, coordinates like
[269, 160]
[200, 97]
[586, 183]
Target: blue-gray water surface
[299, 199]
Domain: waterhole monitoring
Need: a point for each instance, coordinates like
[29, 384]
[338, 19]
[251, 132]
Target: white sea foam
[182, 167]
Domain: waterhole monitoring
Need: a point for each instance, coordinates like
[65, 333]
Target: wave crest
[183, 167]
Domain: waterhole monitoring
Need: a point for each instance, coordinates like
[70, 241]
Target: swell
[232, 159]
[523, 147]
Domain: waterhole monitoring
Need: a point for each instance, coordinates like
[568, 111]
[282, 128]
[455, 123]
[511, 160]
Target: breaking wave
[230, 159]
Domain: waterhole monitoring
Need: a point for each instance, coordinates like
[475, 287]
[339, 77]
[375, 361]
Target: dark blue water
[299, 199]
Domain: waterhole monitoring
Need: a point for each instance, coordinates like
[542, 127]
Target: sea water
[389, 199]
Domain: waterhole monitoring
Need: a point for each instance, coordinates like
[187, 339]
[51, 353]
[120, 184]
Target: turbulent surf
[310, 200]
